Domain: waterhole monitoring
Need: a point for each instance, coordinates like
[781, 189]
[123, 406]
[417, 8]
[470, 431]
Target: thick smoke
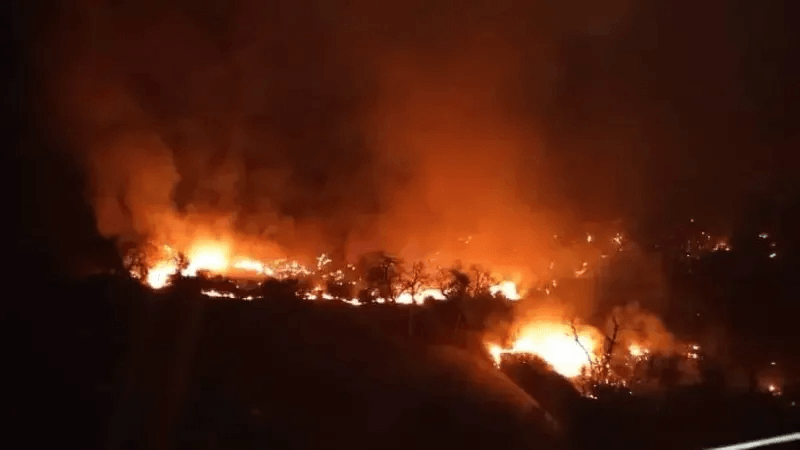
[356, 125]
[283, 128]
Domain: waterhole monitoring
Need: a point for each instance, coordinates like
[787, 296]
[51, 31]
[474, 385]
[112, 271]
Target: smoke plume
[356, 125]
[287, 129]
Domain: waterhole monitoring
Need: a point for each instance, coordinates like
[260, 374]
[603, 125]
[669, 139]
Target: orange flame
[507, 288]
[208, 255]
[636, 350]
[158, 275]
[217, 258]
[555, 343]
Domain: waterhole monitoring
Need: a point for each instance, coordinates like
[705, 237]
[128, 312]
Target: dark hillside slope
[119, 367]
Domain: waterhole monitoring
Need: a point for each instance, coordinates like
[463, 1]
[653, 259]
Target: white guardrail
[760, 442]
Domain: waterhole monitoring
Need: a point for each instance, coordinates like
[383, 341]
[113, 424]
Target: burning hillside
[577, 351]
[241, 153]
[156, 266]
[346, 147]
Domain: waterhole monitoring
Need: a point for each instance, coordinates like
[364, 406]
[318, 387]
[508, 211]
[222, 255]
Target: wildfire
[555, 343]
[158, 275]
[217, 258]
[774, 389]
[636, 351]
[573, 352]
[507, 288]
[406, 298]
[217, 294]
[251, 265]
[721, 245]
[211, 256]
[214, 258]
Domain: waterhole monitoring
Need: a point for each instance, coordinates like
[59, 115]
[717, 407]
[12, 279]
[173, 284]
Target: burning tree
[155, 265]
[482, 281]
[382, 277]
[457, 285]
[599, 372]
[412, 281]
[136, 259]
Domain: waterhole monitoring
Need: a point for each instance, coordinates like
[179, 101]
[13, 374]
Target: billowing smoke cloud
[285, 128]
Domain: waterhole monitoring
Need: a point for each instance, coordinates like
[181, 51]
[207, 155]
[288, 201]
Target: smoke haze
[291, 129]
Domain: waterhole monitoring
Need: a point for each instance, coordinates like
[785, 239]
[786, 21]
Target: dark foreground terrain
[111, 365]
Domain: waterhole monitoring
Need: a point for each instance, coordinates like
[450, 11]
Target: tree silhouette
[366, 296]
[458, 285]
[340, 290]
[411, 282]
[481, 281]
[384, 276]
[599, 375]
[281, 289]
[414, 279]
[181, 262]
[136, 260]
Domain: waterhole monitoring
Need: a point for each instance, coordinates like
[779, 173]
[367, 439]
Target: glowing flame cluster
[575, 352]
[551, 340]
[216, 258]
[578, 352]
[555, 343]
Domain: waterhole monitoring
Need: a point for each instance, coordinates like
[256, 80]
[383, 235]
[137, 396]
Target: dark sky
[680, 107]
[313, 117]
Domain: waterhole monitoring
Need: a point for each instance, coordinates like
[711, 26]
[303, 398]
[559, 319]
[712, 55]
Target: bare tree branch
[580, 344]
[611, 341]
[413, 280]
